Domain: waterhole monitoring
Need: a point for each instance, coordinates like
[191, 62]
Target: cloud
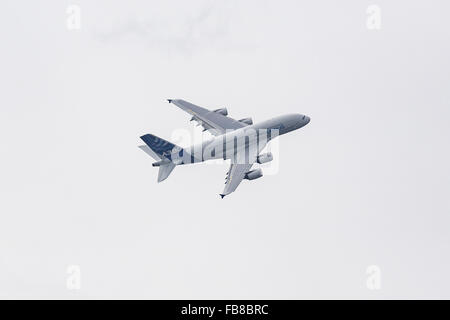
[207, 27]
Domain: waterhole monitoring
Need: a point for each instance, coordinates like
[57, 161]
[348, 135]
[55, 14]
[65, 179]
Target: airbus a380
[241, 141]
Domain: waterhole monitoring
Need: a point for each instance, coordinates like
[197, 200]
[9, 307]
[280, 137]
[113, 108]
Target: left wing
[213, 121]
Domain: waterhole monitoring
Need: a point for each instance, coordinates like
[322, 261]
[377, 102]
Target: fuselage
[251, 139]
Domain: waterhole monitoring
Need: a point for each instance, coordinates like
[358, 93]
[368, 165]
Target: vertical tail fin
[160, 146]
[159, 149]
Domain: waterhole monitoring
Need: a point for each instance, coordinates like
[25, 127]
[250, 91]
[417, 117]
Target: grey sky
[365, 183]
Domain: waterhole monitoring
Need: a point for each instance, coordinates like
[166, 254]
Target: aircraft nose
[307, 120]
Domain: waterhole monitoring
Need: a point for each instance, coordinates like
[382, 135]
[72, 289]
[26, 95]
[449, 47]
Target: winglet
[170, 100]
[222, 195]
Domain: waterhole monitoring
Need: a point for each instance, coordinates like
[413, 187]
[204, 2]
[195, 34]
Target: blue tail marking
[159, 145]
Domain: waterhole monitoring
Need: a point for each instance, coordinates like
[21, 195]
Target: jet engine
[253, 174]
[222, 111]
[248, 121]
[265, 157]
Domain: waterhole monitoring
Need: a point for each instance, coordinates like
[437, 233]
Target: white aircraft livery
[241, 141]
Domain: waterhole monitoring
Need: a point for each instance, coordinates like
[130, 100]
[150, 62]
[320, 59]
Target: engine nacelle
[222, 111]
[248, 121]
[254, 174]
[265, 157]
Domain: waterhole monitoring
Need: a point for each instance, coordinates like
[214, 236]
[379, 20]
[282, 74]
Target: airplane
[240, 141]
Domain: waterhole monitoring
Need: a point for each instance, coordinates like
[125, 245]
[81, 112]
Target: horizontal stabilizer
[150, 152]
[160, 150]
[165, 170]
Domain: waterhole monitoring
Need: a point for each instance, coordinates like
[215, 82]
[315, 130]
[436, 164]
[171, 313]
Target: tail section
[160, 150]
[161, 147]
[165, 170]
[150, 152]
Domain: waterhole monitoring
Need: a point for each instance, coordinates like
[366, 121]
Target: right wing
[240, 166]
[235, 176]
[215, 122]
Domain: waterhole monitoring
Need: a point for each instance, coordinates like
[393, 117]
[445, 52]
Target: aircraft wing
[213, 121]
[234, 177]
[240, 166]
